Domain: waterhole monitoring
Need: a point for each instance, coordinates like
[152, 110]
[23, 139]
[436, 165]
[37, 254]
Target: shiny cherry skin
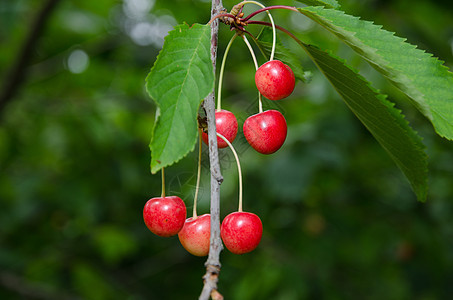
[275, 80]
[266, 131]
[164, 216]
[227, 125]
[195, 235]
[241, 232]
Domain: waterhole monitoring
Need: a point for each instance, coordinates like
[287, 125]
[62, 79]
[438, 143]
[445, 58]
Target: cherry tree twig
[213, 263]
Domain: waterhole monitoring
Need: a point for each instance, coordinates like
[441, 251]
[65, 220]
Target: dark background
[340, 220]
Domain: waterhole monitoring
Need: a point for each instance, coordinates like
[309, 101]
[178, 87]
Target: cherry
[265, 131]
[195, 235]
[164, 216]
[241, 232]
[275, 80]
[227, 125]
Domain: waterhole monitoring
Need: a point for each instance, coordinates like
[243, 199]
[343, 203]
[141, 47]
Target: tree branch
[213, 262]
[16, 75]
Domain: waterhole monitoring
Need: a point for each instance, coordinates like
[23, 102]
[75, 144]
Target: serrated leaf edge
[417, 139]
[371, 55]
[154, 170]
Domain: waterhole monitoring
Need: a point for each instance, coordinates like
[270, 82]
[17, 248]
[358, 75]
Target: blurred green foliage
[340, 220]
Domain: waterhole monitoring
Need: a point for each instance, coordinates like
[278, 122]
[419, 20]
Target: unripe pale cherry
[164, 216]
[241, 232]
[275, 80]
[195, 235]
[227, 125]
[266, 131]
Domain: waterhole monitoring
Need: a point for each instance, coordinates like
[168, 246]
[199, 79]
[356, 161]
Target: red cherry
[227, 125]
[266, 131]
[164, 216]
[195, 235]
[241, 232]
[275, 80]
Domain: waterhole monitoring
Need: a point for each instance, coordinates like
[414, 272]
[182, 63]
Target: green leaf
[180, 78]
[422, 77]
[282, 53]
[325, 3]
[385, 122]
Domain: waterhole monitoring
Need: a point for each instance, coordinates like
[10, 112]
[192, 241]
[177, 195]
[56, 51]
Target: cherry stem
[256, 43]
[260, 102]
[239, 168]
[274, 38]
[251, 51]
[292, 8]
[281, 29]
[163, 183]
[197, 186]
[222, 68]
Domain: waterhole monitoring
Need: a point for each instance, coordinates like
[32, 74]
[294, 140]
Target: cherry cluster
[166, 216]
[266, 131]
